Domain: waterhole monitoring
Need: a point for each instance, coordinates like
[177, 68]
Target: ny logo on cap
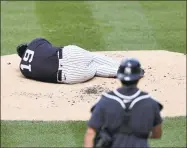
[127, 70]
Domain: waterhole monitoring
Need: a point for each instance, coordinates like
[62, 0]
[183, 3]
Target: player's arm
[156, 132]
[95, 122]
[89, 137]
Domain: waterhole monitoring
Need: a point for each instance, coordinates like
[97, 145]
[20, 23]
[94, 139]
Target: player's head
[21, 49]
[130, 71]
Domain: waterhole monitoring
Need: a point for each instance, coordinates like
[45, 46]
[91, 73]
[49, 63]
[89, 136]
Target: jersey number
[29, 54]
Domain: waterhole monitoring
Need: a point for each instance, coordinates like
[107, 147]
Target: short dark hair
[21, 49]
[128, 83]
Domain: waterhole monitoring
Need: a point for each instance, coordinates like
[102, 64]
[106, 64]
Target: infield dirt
[24, 99]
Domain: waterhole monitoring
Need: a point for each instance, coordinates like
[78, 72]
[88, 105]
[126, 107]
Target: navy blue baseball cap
[130, 70]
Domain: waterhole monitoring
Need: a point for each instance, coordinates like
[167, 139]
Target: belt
[60, 53]
[59, 73]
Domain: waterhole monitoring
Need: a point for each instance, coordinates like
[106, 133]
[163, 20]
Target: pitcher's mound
[24, 99]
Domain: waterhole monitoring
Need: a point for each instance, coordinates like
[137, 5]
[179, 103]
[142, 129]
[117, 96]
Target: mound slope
[24, 99]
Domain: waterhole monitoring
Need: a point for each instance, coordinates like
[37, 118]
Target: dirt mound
[23, 99]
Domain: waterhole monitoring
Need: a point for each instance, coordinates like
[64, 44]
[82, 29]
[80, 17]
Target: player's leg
[95, 64]
[106, 66]
[76, 65]
[106, 71]
[78, 74]
[75, 54]
[105, 60]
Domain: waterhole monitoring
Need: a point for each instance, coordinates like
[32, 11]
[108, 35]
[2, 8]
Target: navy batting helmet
[130, 70]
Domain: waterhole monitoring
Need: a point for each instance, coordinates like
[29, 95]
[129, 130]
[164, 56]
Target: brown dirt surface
[24, 99]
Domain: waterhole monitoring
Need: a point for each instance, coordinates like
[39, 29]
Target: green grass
[41, 134]
[71, 134]
[132, 25]
[174, 133]
[69, 23]
[169, 25]
[128, 25]
[18, 24]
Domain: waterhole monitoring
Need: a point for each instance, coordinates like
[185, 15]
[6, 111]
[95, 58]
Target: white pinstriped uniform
[80, 65]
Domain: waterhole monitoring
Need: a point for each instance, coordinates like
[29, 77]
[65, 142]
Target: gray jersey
[108, 111]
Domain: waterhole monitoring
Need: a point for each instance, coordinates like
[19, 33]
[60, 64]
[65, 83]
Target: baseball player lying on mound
[42, 61]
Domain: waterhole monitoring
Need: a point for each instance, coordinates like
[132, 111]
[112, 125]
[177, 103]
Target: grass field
[95, 26]
[70, 134]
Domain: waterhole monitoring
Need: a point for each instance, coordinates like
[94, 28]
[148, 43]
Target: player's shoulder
[39, 43]
[106, 98]
[152, 100]
[102, 101]
[143, 92]
[38, 40]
